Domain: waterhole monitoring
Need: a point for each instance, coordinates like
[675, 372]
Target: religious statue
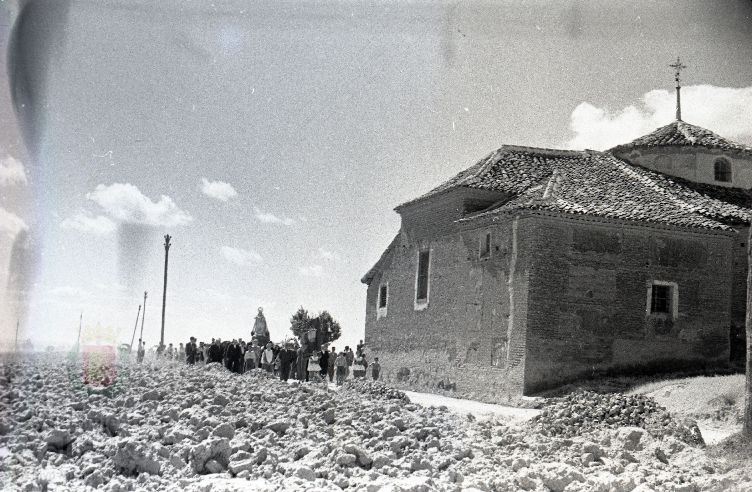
[260, 331]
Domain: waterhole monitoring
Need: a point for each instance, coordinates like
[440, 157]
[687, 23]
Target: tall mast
[678, 67]
[78, 340]
[134, 328]
[164, 289]
[143, 317]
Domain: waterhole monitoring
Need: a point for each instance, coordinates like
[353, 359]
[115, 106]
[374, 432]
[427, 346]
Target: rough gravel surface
[201, 428]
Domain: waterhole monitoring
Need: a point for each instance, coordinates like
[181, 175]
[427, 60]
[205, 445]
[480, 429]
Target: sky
[272, 140]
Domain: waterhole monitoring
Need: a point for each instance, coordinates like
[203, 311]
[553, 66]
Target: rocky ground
[173, 427]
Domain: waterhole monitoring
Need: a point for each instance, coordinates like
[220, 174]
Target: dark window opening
[382, 296]
[661, 299]
[485, 249]
[422, 288]
[723, 170]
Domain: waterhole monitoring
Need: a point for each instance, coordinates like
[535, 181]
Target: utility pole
[141, 335]
[134, 329]
[78, 340]
[18, 322]
[747, 415]
[164, 289]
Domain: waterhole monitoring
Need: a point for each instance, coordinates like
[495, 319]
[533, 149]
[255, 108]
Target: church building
[535, 267]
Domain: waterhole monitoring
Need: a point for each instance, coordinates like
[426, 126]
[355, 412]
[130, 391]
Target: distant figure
[314, 368]
[260, 330]
[201, 352]
[341, 365]
[301, 362]
[190, 351]
[359, 367]
[359, 348]
[141, 351]
[181, 351]
[330, 363]
[252, 355]
[170, 351]
[215, 352]
[350, 359]
[285, 358]
[267, 358]
[324, 363]
[232, 355]
[375, 369]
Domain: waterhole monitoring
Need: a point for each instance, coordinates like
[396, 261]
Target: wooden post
[143, 317]
[78, 340]
[164, 290]
[130, 349]
[747, 429]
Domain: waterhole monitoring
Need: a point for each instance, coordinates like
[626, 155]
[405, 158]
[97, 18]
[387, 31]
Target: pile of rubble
[175, 427]
[376, 389]
[583, 411]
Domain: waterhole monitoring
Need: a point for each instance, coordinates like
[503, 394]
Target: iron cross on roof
[678, 67]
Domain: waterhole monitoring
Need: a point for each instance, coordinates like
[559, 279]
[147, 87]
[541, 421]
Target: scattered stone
[133, 457]
[58, 440]
[151, 395]
[226, 430]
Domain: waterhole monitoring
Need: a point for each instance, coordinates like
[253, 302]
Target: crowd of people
[287, 360]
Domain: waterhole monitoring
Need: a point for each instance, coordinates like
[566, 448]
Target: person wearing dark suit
[190, 351]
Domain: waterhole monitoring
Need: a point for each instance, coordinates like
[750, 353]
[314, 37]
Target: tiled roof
[599, 184]
[596, 184]
[368, 277]
[680, 133]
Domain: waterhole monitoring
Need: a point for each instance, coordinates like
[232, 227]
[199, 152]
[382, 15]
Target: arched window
[722, 170]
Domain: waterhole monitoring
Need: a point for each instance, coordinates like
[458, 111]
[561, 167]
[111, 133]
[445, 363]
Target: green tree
[327, 321]
[302, 321]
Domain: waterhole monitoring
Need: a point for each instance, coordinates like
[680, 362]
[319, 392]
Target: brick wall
[693, 164]
[558, 298]
[471, 334]
[588, 298]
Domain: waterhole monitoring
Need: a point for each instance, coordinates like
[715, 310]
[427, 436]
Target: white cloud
[312, 271]
[218, 189]
[723, 110]
[239, 256]
[269, 218]
[89, 224]
[125, 203]
[329, 255]
[12, 171]
[10, 223]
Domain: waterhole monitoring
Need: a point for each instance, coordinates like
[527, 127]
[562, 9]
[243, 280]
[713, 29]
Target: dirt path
[477, 409]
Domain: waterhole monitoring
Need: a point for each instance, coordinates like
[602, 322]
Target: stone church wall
[588, 300]
[471, 335]
[694, 165]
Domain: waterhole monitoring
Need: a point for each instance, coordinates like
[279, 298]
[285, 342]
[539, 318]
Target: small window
[485, 246]
[723, 170]
[660, 301]
[382, 296]
[421, 287]
[382, 301]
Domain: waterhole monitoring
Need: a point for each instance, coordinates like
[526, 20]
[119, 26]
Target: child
[314, 369]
